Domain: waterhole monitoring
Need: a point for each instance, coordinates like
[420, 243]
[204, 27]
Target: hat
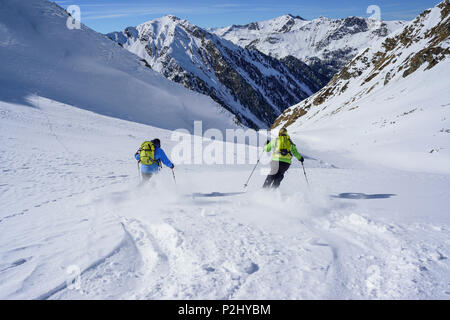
[156, 143]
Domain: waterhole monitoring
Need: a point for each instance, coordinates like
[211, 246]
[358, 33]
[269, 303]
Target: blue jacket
[160, 156]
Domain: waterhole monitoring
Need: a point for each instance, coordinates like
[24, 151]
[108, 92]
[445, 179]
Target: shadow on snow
[358, 196]
[215, 194]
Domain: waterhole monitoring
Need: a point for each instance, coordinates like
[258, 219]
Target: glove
[302, 159]
[173, 166]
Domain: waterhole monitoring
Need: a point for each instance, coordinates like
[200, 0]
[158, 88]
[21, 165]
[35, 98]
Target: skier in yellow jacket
[283, 150]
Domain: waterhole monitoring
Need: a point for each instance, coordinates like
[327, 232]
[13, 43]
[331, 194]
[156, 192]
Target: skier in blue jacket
[150, 155]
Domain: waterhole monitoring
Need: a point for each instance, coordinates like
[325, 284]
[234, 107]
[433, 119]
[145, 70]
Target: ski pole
[173, 173]
[139, 172]
[257, 162]
[304, 172]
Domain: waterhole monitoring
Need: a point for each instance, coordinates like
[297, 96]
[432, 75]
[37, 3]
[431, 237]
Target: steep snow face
[41, 56]
[253, 86]
[391, 103]
[325, 44]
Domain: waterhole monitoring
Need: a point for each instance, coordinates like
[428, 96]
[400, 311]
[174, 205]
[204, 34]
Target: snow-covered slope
[253, 86]
[392, 102]
[40, 56]
[324, 44]
[74, 224]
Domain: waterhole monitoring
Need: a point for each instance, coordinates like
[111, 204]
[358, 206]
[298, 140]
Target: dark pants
[277, 171]
[146, 176]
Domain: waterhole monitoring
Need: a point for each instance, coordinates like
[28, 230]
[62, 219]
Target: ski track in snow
[166, 241]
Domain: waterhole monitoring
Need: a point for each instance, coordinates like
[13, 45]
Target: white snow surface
[70, 200]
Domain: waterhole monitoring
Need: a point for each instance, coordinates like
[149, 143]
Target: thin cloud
[108, 16]
[97, 11]
[141, 10]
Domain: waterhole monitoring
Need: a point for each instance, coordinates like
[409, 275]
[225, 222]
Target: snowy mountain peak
[172, 17]
[164, 23]
[281, 19]
[255, 87]
[324, 44]
[281, 24]
[165, 20]
[296, 17]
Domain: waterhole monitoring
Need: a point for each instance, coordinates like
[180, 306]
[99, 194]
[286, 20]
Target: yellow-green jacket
[277, 154]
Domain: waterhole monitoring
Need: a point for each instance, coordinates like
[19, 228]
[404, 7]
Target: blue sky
[113, 15]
